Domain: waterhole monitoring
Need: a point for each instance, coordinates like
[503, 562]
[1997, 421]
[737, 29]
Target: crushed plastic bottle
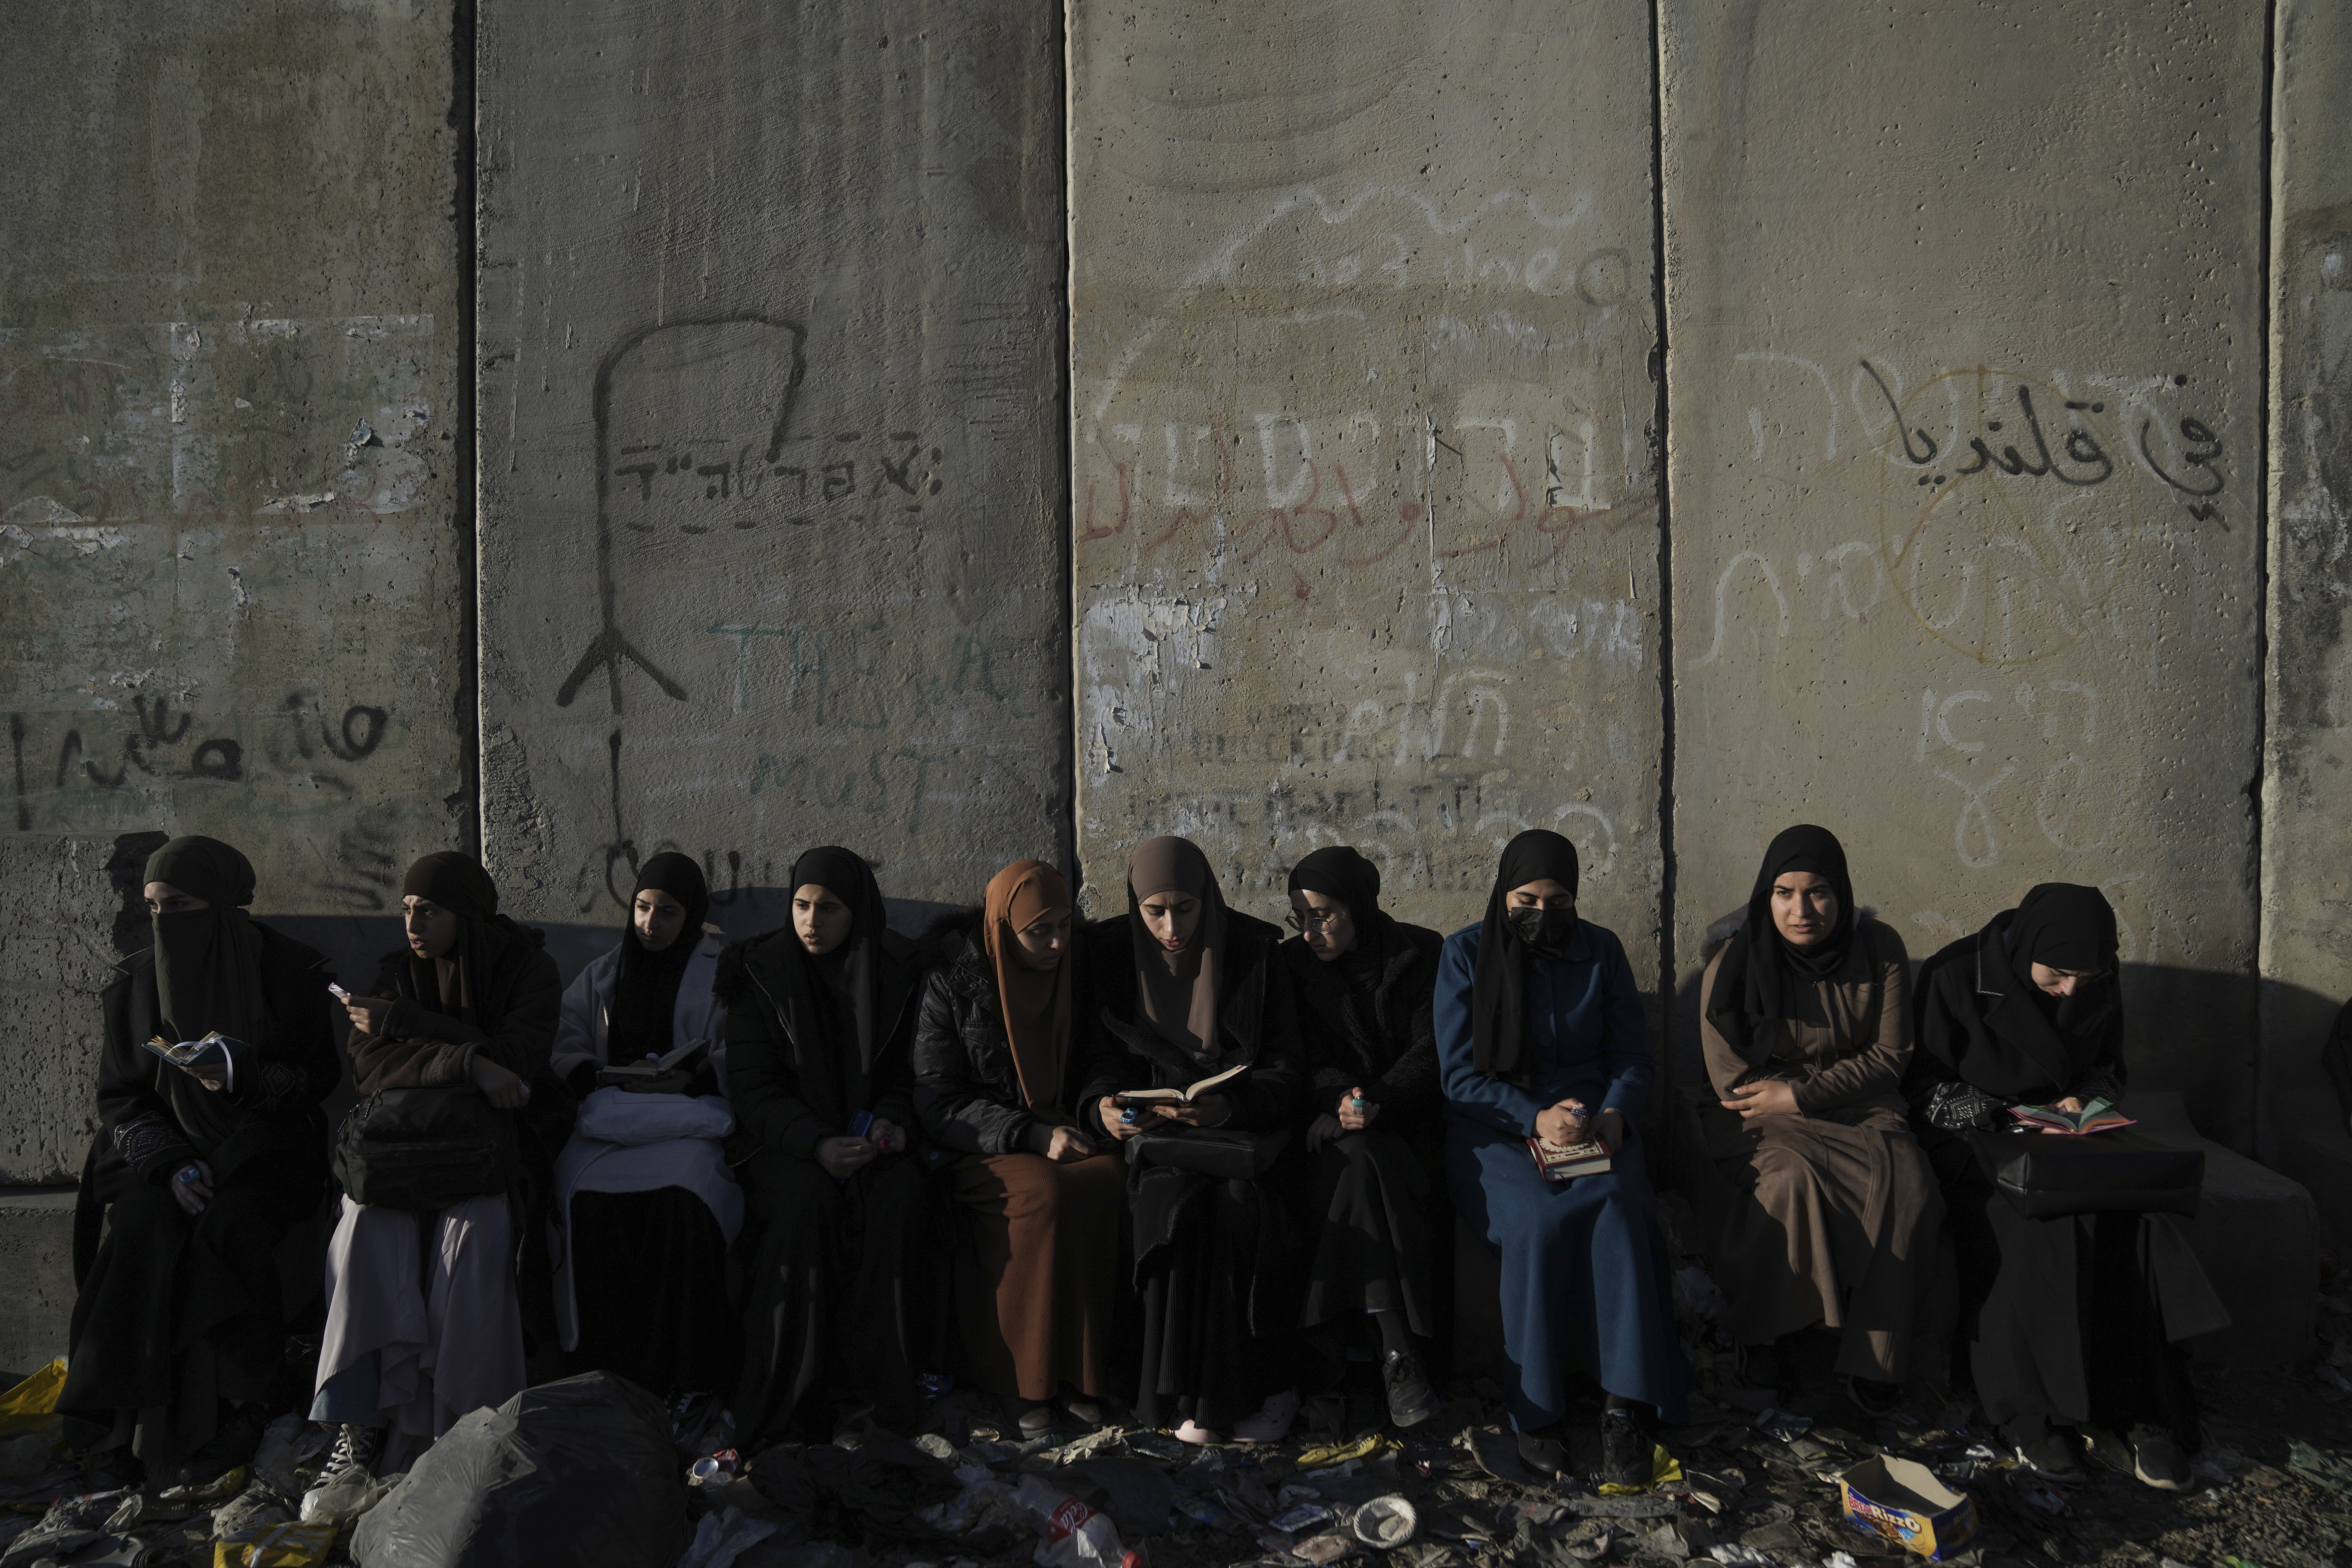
[1070, 1534]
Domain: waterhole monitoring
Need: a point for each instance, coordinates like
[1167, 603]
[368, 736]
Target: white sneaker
[347, 1487]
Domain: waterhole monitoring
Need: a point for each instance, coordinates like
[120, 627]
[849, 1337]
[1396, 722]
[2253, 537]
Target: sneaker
[1272, 1424]
[346, 1488]
[1412, 1400]
[2051, 1457]
[1087, 1412]
[1545, 1453]
[1626, 1456]
[1042, 1420]
[1191, 1431]
[2157, 1458]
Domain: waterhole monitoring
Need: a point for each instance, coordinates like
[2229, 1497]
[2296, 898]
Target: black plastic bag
[580, 1472]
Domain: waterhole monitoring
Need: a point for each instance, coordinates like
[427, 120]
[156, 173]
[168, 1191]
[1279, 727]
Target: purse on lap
[2044, 1176]
[1227, 1154]
[425, 1148]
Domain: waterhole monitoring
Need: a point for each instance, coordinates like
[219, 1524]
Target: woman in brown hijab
[1830, 1211]
[995, 1081]
[1181, 989]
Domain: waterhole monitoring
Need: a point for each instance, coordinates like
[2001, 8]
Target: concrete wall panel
[1963, 355]
[2306, 961]
[771, 449]
[1367, 527]
[229, 592]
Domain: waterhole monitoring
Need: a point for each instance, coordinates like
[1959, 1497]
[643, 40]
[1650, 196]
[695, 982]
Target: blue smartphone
[861, 1124]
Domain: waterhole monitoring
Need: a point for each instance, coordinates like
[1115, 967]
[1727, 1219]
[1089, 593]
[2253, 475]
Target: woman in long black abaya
[177, 1327]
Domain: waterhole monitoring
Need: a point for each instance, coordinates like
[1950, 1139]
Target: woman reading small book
[996, 1081]
[1184, 991]
[2079, 1318]
[1541, 1041]
[1382, 1247]
[641, 1284]
[178, 1332]
[1827, 1213]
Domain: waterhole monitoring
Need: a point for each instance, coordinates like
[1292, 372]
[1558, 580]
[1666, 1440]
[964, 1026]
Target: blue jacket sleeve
[1470, 1095]
[1626, 1045]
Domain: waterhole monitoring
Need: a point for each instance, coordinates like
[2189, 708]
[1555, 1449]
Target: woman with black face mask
[1540, 1037]
[1828, 1212]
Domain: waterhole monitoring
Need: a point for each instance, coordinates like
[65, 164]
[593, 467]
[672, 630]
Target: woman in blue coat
[1540, 1034]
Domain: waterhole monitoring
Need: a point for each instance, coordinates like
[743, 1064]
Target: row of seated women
[1166, 1157]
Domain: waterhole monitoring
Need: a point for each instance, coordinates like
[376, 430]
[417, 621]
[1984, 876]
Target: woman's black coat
[967, 1090]
[1257, 1022]
[1396, 1065]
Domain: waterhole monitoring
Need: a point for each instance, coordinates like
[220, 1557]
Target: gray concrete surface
[1363, 503]
[771, 492]
[1893, 290]
[36, 1263]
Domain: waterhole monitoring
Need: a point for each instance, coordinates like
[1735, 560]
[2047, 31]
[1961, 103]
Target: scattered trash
[1386, 1522]
[1785, 1424]
[1305, 1516]
[280, 1546]
[1664, 1469]
[1070, 1534]
[1640, 1507]
[1733, 1555]
[287, 1444]
[723, 1536]
[1324, 1549]
[1902, 1502]
[1364, 1448]
[1204, 1510]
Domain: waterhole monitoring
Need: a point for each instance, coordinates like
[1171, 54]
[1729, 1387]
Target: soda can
[728, 1460]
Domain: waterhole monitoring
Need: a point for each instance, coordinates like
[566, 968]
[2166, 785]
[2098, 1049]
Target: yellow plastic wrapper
[1370, 1447]
[1663, 1467]
[32, 1402]
[280, 1546]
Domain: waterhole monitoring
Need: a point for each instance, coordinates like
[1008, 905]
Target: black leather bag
[2044, 1176]
[1225, 1153]
[425, 1149]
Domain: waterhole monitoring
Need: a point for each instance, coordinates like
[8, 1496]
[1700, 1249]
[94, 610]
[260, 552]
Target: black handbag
[425, 1148]
[1225, 1153]
[2044, 1176]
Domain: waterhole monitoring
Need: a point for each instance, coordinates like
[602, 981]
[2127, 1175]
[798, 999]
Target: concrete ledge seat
[2257, 1234]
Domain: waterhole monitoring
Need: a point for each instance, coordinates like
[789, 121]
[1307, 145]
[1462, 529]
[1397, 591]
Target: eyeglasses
[1314, 919]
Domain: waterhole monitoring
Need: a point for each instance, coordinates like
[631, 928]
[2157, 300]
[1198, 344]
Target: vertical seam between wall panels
[2254, 787]
[1067, 826]
[465, 220]
[1666, 552]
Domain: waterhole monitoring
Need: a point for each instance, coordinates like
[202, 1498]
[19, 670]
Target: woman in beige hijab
[1181, 989]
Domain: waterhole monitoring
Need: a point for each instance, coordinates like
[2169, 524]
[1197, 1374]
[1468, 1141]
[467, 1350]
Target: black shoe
[1626, 1456]
[2051, 1457]
[1412, 1400]
[1764, 1367]
[234, 1442]
[1544, 1453]
[2157, 1458]
[1873, 1397]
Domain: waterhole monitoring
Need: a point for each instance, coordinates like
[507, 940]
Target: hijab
[1338, 871]
[1035, 1004]
[1508, 943]
[2064, 926]
[645, 983]
[449, 984]
[1764, 975]
[207, 961]
[818, 990]
[1177, 991]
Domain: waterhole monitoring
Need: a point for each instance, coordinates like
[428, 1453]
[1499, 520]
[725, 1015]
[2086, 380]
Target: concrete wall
[230, 430]
[1365, 512]
[1964, 456]
[771, 475]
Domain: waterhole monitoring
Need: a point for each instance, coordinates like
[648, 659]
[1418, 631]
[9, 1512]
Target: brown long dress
[1830, 1216]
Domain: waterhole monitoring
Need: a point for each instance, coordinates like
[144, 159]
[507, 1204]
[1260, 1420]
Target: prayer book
[689, 1055]
[1130, 1098]
[1566, 1162]
[2098, 1116]
[214, 1047]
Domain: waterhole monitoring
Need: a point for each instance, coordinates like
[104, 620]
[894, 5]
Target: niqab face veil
[645, 983]
[1179, 992]
[1763, 973]
[1035, 1003]
[1498, 991]
[207, 961]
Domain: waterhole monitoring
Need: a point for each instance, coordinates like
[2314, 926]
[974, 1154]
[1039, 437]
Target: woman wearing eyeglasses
[1376, 1149]
[2026, 1012]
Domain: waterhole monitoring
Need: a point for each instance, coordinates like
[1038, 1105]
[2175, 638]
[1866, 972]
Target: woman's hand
[888, 1137]
[1562, 1124]
[1608, 1127]
[1356, 1113]
[1114, 1120]
[1321, 1131]
[1209, 1110]
[845, 1157]
[503, 1088]
[2073, 1103]
[1772, 1097]
[192, 1185]
[1065, 1145]
[368, 1013]
[212, 1075]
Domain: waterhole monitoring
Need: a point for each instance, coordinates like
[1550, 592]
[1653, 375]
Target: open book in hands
[1132, 1098]
[686, 1058]
[215, 1047]
[1566, 1162]
[2097, 1116]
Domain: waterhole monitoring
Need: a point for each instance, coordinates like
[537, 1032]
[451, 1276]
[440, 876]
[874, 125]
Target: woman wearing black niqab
[1379, 1249]
[1540, 1035]
[2079, 1318]
[1828, 1212]
[641, 1284]
[178, 1329]
[820, 1019]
